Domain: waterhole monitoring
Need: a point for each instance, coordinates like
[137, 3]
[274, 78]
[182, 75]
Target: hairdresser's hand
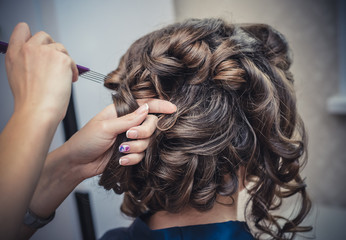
[83, 155]
[40, 73]
[88, 146]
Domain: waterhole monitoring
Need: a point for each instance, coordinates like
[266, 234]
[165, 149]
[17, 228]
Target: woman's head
[235, 108]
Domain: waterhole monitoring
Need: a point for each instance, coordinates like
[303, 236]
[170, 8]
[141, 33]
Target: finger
[75, 72]
[20, 35]
[145, 130]
[121, 124]
[158, 105]
[131, 159]
[41, 38]
[59, 47]
[137, 146]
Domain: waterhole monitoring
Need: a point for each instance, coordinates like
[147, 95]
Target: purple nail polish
[124, 148]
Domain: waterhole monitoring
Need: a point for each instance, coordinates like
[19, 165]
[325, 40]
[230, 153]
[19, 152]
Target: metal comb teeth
[84, 72]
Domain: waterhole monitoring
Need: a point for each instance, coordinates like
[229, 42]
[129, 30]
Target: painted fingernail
[124, 148]
[132, 134]
[142, 109]
[124, 161]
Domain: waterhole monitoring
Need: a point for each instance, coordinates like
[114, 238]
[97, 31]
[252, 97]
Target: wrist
[57, 181]
[62, 168]
[73, 169]
[34, 221]
[43, 118]
[41, 113]
[76, 155]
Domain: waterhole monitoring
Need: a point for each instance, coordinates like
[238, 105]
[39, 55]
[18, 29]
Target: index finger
[158, 105]
[74, 71]
[20, 35]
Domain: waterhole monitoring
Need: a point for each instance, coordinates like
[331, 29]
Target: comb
[84, 72]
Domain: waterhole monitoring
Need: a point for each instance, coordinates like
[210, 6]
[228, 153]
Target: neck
[222, 211]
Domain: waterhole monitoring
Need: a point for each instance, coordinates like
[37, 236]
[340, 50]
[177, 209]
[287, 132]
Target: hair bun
[225, 68]
[275, 44]
[236, 107]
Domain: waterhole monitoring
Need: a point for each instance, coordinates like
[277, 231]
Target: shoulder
[116, 234]
[137, 230]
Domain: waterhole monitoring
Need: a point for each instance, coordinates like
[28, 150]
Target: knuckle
[153, 121]
[137, 157]
[42, 34]
[139, 147]
[64, 59]
[131, 117]
[144, 145]
[144, 133]
[153, 117]
[159, 108]
[27, 48]
[61, 48]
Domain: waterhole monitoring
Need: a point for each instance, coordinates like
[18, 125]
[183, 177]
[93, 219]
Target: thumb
[20, 35]
[122, 124]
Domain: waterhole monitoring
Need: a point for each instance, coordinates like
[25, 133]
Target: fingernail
[142, 109]
[174, 107]
[132, 134]
[124, 161]
[124, 148]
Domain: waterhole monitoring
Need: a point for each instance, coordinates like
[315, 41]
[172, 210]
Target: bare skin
[82, 156]
[189, 216]
[40, 74]
[38, 109]
[224, 210]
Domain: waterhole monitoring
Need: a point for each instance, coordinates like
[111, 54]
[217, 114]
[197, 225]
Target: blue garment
[232, 230]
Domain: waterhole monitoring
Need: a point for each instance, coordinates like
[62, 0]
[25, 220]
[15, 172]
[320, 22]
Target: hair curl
[236, 107]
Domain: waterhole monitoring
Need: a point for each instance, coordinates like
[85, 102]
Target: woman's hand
[88, 146]
[83, 155]
[40, 73]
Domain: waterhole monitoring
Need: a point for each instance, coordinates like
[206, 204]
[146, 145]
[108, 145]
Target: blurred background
[97, 33]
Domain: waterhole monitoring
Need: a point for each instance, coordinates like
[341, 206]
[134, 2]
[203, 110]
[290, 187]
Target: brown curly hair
[236, 107]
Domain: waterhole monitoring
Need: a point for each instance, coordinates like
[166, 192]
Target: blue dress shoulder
[232, 230]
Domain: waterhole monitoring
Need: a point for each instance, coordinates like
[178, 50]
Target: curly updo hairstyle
[236, 106]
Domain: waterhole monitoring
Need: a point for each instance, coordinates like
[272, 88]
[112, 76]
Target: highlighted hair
[236, 107]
